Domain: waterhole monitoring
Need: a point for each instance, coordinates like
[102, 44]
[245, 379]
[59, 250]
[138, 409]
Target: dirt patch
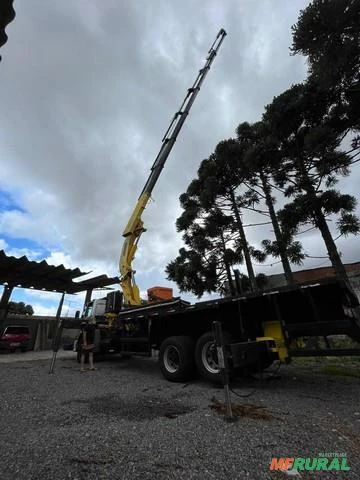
[143, 408]
[256, 412]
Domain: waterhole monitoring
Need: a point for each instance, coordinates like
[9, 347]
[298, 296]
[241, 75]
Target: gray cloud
[88, 89]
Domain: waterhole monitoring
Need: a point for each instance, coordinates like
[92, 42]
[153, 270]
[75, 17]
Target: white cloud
[42, 310]
[3, 244]
[17, 224]
[60, 258]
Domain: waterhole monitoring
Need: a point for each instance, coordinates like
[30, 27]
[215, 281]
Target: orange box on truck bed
[159, 293]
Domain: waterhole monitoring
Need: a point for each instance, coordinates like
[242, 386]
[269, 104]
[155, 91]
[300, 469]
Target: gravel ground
[125, 421]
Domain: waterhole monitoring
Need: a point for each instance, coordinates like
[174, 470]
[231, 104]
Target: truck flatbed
[318, 308]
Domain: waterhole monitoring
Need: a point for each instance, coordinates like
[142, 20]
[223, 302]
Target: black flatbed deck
[321, 308]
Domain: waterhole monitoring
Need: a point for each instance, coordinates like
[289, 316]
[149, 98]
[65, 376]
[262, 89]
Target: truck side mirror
[77, 314]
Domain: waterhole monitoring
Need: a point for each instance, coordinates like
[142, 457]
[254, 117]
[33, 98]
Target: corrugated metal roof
[7, 15]
[95, 282]
[25, 273]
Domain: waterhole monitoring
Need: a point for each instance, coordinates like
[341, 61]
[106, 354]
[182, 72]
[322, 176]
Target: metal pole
[4, 305]
[223, 365]
[58, 333]
[87, 297]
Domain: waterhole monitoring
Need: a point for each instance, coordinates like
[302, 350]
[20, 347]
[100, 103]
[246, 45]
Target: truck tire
[206, 356]
[176, 358]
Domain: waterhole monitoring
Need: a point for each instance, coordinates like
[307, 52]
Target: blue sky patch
[19, 244]
[7, 202]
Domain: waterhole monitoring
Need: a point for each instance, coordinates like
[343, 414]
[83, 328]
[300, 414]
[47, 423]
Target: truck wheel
[206, 356]
[176, 358]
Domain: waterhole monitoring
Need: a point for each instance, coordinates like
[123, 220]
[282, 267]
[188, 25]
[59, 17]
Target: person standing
[87, 344]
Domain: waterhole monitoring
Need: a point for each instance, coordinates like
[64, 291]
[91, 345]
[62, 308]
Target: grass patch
[336, 342]
[340, 370]
[316, 362]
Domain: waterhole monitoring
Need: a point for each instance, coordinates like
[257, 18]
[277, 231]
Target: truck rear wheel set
[180, 355]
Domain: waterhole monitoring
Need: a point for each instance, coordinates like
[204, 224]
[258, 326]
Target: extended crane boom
[135, 225]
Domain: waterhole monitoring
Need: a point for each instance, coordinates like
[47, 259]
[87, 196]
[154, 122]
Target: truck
[257, 328]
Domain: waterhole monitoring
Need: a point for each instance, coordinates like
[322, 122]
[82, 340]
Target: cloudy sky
[88, 89]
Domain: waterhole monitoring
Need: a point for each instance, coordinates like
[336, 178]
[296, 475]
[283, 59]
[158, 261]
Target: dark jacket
[89, 330]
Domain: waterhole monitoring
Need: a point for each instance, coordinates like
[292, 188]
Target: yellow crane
[135, 225]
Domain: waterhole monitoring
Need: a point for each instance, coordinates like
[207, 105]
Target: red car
[15, 337]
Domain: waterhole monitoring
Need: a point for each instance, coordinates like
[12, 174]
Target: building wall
[315, 274]
[323, 272]
[355, 282]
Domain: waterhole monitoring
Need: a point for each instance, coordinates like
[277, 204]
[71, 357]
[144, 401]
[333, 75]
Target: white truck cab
[95, 310]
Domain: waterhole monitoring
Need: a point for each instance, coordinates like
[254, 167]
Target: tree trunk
[329, 242]
[278, 234]
[228, 271]
[249, 267]
[231, 284]
[322, 225]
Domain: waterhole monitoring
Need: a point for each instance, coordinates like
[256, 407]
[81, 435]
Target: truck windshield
[88, 311]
